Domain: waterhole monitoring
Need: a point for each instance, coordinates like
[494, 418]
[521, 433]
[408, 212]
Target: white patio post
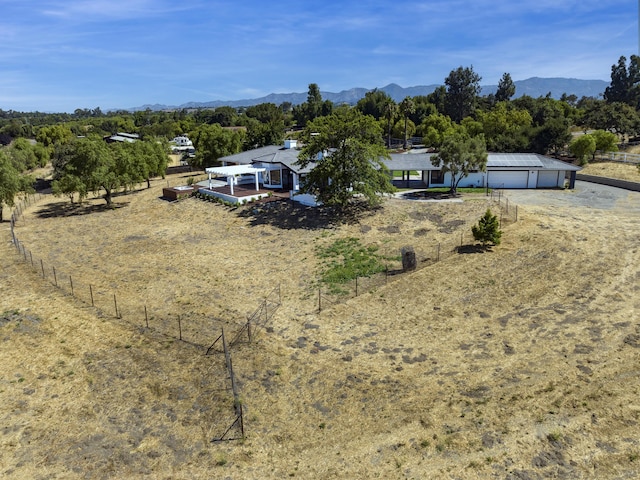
[257, 184]
[209, 180]
[230, 181]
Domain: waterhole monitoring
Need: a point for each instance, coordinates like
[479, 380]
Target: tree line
[454, 113]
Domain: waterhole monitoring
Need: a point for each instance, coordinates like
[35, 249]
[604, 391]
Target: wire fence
[196, 329]
[189, 327]
[426, 256]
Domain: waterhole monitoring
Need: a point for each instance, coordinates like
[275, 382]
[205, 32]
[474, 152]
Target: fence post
[42, 267]
[319, 299]
[115, 302]
[356, 286]
[71, 283]
[438, 255]
[146, 318]
[91, 292]
[249, 329]
[55, 278]
[179, 328]
[516, 213]
[31, 257]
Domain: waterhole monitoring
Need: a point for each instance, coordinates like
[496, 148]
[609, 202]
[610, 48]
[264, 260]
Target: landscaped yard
[516, 363]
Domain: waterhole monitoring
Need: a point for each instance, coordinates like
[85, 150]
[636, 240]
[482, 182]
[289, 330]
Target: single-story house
[280, 168]
[504, 170]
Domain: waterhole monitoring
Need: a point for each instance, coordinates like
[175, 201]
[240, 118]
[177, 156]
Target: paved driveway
[585, 195]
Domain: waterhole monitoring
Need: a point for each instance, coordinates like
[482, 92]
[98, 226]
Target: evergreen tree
[506, 88]
[487, 231]
[463, 87]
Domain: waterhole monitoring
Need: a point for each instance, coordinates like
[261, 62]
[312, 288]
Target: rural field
[522, 362]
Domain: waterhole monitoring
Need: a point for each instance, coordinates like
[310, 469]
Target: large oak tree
[347, 152]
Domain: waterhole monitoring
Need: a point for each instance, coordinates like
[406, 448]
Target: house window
[437, 177]
[275, 177]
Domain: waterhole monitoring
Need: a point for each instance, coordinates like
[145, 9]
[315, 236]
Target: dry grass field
[518, 363]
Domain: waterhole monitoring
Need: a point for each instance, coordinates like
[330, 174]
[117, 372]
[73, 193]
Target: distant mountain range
[534, 87]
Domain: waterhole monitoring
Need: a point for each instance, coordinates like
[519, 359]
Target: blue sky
[59, 55]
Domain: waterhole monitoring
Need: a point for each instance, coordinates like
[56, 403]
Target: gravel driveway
[585, 195]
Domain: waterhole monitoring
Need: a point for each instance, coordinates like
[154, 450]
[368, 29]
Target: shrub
[487, 230]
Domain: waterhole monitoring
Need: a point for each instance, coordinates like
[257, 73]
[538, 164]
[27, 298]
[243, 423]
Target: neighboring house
[122, 137]
[504, 170]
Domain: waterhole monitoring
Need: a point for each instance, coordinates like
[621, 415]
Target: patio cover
[231, 171]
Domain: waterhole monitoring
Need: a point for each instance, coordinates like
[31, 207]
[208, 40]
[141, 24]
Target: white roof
[234, 170]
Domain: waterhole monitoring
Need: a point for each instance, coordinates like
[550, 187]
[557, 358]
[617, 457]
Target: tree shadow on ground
[430, 195]
[476, 248]
[288, 215]
[68, 209]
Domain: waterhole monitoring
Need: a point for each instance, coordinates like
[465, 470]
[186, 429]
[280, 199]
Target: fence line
[237, 403]
[429, 256]
[623, 157]
[186, 327]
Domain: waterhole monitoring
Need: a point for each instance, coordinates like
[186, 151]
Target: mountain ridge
[534, 87]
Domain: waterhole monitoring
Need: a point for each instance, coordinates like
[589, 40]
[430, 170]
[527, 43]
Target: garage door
[508, 179]
[549, 178]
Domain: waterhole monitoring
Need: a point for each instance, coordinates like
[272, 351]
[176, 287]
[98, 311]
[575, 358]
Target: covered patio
[232, 191]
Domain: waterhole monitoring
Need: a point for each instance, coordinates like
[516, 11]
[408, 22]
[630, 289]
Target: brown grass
[623, 171]
[517, 363]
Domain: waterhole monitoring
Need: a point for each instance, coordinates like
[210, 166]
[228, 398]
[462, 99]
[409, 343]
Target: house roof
[270, 154]
[495, 161]
[404, 161]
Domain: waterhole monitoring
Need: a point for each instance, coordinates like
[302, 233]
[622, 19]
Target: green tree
[459, 155]
[390, 113]
[347, 151]
[605, 141]
[23, 155]
[616, 117]
[88, 165]
[53, 134]
[267, 127]
[312, 108]
[463, 87]
[625, 82]
[213, 142]
[583, 147]
[435, 128]
[505, 128]
[407, 107]
[374, 103]
[12, 182]
[438, 98]
[506, 88]
[487, 230]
